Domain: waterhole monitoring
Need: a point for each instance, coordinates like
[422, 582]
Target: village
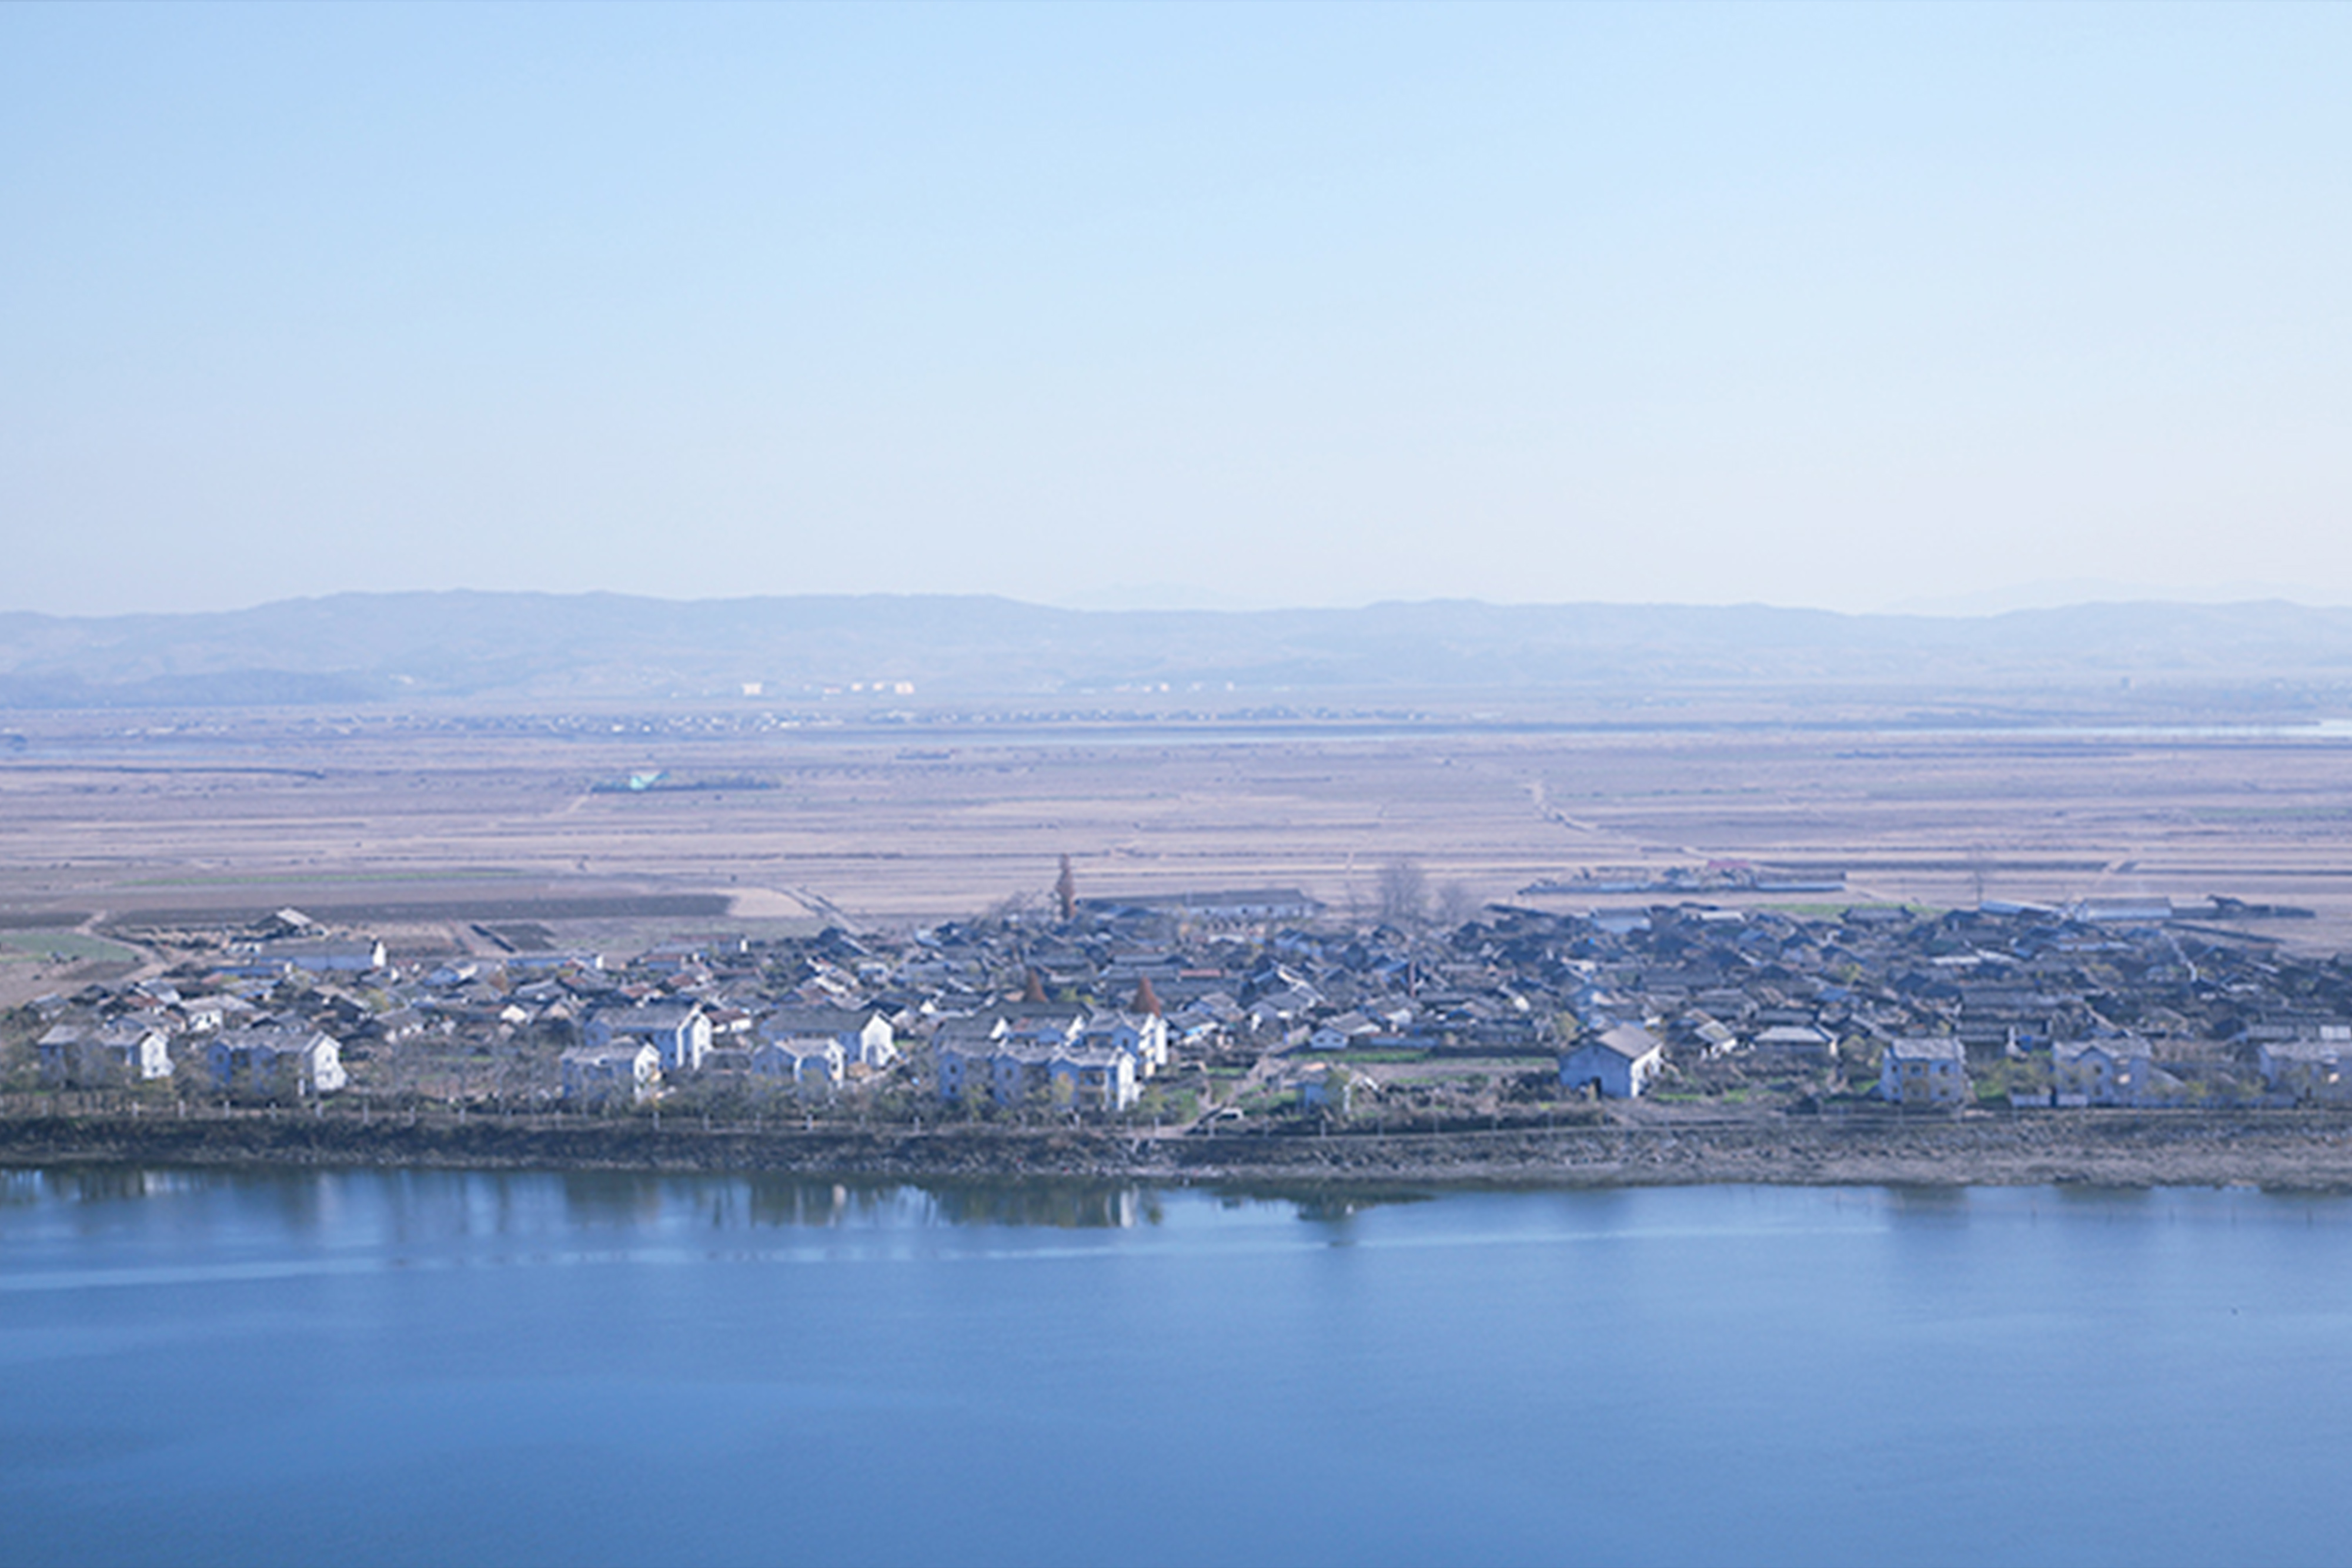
[1230, 1009]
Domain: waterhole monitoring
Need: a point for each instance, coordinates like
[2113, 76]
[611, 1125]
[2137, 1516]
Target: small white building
[1620, 1062]
[1794, 1045]
[1710, 1036]
[126, 1051]
[1092, 1078]
[275, 1063]
[58, 1050]
[1328, 1086]
[1928, 1071]
[815, 1063]
[87, 1055]
[1342, 1031]
[2116, 1071]
[327, 956]
[1142, 1036]
[864, 1033]
[2126, 909]
[960, 1049]
[970, 1057]
[629, 1071]
[2306, 1069]
[678, 1030]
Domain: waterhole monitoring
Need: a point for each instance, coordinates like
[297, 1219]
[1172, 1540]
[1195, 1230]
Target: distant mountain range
[364, 647]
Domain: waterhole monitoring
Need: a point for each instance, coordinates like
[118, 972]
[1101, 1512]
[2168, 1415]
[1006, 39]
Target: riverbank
[2291, 1150]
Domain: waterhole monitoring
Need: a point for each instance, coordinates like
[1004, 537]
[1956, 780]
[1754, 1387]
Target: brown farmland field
[416, 825]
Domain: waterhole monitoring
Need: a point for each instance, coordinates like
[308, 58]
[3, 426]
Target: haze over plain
[1847, 308]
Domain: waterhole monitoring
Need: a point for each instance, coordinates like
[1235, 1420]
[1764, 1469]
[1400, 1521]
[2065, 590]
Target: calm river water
[436, 1368]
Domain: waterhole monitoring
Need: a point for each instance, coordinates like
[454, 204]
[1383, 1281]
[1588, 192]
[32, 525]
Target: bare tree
[1979, 869]
[1455, 903]
[1404, 891]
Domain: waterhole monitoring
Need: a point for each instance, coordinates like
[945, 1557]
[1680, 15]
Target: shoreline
[2281, 1150]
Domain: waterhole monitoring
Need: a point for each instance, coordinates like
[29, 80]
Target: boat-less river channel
[438, 1367]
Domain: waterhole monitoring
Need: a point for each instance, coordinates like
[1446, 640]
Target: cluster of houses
[1083, 1008]
[2109, 1003]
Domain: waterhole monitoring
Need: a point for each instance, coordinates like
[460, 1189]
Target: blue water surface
[411, 1367]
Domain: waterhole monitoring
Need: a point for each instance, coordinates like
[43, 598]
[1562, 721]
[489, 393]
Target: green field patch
[67, 944]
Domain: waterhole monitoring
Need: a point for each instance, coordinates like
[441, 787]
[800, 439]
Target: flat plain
[418, 823]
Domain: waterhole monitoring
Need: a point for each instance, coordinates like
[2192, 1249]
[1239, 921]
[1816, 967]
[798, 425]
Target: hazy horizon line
[1982, 606]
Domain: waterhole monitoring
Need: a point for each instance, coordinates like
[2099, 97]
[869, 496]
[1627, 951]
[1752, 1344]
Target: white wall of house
[2099, 1072]
[1621, 1062]
[1924, 1073]
[815, 1065]
[593, 1074]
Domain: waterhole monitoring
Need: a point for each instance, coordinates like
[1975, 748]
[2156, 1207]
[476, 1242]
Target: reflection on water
[631, 1198]
[421, 1205]
[1073, 1205]
[435, 1366]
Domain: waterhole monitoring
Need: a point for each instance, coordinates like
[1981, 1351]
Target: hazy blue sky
[1846, 306]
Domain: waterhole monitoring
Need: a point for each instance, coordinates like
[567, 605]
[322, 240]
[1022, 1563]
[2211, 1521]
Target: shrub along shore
[2297, 1150]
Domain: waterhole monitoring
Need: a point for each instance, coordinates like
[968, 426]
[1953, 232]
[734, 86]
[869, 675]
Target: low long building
[1228, 905]
[327, 954]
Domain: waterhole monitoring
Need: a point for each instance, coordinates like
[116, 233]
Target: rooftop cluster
[1249, 1004]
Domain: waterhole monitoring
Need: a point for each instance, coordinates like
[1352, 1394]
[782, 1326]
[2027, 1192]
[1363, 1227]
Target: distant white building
[678, 1030]
[275, 1063]
[2124, 909]
[626, 1072]
[815, 1063]
[960, 1051]
[101, 1056]
[1225, 906]
[546, 963]
[1011, 1069]
[1712, 1037]
[1794, 1045]
[327, 956]
[864, 1034]
[1326, 1086]
[1620, 1061]
[1036, 1032]
[58, 1050]
[2306, 1069]
[1341, 1032]
[1932, 1071]
[1093, 1078]
[1141, 1036]
[2116, 1071]
[127, 1052]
